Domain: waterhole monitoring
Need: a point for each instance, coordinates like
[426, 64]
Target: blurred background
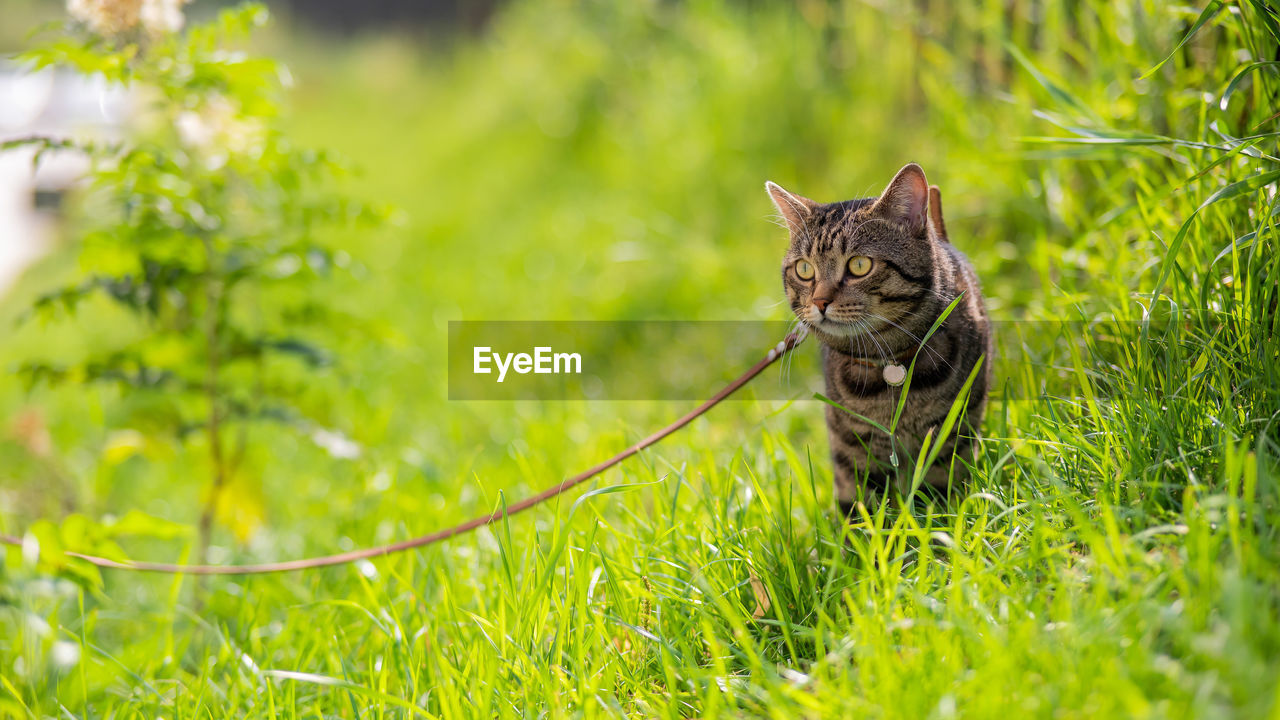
[555, 160]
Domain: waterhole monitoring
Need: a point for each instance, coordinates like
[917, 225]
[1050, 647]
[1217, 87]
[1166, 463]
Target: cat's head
[859, 266]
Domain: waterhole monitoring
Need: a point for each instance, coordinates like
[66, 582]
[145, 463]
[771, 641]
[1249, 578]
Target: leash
[782, 348]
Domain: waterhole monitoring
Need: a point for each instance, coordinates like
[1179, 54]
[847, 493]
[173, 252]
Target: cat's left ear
[906, 200]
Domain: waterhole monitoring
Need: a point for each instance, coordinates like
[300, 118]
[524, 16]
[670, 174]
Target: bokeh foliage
[202, 228]
[1116, 555]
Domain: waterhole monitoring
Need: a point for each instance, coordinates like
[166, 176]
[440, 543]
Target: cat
[868, 278]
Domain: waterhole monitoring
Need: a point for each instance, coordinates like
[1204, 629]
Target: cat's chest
[857, 385]
[873, 388]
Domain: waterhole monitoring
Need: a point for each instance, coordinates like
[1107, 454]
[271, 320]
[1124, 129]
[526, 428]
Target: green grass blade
[1210, 12]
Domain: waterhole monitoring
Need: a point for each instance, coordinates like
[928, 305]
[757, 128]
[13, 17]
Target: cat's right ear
[795, 209]
[906, 200]
[936, 225]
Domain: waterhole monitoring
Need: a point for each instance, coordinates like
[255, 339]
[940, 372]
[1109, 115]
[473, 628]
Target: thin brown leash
[782, 348]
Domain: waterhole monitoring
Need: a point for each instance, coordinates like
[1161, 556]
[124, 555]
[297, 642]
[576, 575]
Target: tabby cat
[868, 278]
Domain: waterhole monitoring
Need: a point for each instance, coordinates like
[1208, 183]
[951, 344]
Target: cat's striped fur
[865, 322]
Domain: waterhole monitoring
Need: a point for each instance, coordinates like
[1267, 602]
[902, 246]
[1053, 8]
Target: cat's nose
[821, 304]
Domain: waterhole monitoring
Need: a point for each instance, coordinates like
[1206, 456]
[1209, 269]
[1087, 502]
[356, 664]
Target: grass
[1115, 556]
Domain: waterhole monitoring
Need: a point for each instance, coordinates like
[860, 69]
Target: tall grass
[1116, 555]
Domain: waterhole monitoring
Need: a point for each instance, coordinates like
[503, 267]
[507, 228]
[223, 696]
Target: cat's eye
[859, 265]
[804, 270]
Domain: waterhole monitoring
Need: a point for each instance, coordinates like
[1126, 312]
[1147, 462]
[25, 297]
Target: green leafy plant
[203, 226]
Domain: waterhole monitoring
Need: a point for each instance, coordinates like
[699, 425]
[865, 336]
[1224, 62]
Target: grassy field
[1117, 552]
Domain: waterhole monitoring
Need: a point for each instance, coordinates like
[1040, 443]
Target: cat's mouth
[831, 326]
[835, 327]
[841, 321]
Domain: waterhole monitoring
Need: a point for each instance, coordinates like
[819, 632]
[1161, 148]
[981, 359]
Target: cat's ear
[795, 209]
[906, 200]
[937, 227]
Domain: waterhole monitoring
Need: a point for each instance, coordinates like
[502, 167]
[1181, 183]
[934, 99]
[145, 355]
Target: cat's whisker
[778, 220]
[784, 375]
[915, 337]
[931, 313]
[871, 335]
[926, 318]
[862, 348]
[799, 330]
[801, 333]
[797, 326]
[944, 299]
[929, 318]
[885, 354]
